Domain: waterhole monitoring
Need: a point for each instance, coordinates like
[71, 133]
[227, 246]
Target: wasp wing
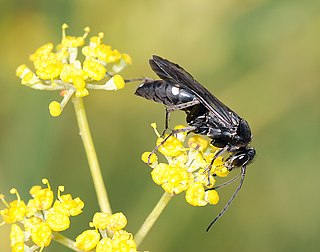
[174, 74]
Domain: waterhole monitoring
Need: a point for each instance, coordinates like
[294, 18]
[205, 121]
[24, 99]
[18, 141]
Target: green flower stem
[151, 219]
[91, 155]
[65, 241]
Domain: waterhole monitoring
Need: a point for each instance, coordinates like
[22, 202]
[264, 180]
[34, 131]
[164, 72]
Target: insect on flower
[206, 115]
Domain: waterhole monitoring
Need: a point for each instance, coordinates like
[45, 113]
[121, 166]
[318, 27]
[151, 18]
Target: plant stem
[91, 155]
[65, 241]
[153, 216]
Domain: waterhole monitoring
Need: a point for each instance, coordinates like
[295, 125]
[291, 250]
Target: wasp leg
[186, 129]
[172, 108]
[208, 169]
[225, 183]
[166, 123]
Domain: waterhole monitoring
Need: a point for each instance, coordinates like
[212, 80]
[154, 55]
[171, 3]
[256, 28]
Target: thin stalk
[65, 241]
[85, 134]
[151, 219]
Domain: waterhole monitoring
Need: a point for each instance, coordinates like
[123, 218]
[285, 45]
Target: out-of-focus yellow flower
[118, 240]
[15, 210]
[16, 235]
[41, 234]
[66, 205]
[43, 197]
[58, 68]
[40, 217]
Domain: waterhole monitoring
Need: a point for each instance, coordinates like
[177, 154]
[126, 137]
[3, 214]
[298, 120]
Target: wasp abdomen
[160, 91]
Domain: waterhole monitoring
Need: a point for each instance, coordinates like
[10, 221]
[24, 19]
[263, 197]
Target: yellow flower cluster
[98, 238]
[186, 169]
[32, 224]
[60, 69]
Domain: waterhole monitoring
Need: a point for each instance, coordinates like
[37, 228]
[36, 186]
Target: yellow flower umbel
[108, 234]
[186, 169]
[58, 68]
[33, 223]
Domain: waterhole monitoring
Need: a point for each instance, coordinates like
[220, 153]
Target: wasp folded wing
[175, 75]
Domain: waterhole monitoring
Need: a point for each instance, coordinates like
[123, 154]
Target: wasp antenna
[243, 173]
[137, 79]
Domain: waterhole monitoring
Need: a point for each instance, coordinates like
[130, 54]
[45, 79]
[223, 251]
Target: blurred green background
[261, 57]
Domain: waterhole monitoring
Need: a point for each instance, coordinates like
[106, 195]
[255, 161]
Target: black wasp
[206, 115]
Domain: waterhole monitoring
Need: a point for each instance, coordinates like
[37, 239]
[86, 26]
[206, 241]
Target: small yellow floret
[15, 212]
[118, 81]
[176, 180]
[79, 82]
[16, 235]
[145, 157]
[100, 220]
[159, 173]
[87, 240]
[195, 195]
[58, 221]
[71, 41]
[117, 222]
[21, 69]
[41, 234]
[18, 247]
[127, 58]
[218, 167]
[68, 206]
[123, 241]
[82, 92]
[198, 142]
[115, 83]
[43, 198]
[212, 197]
[171, 147]
[105, 245]
[55, 108]
[94, 69]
